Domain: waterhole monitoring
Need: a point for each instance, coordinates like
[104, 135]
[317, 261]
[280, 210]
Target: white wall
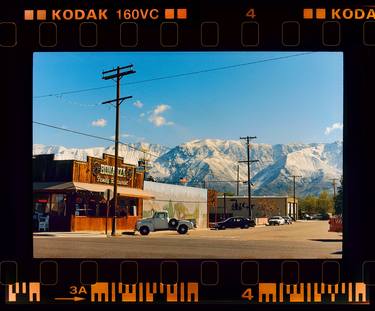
[181, 202]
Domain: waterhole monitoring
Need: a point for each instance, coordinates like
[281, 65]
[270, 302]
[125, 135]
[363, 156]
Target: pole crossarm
[250, 137]
[115, 100]
[117, 74]
[115, 69]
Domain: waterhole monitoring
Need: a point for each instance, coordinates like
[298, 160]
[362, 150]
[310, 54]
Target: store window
[127, 207]
[58, 205]
[123, 207]
[41, 204]
[92, 206]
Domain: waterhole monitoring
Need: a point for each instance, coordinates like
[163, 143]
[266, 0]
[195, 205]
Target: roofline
[104, 155]
[256, 197]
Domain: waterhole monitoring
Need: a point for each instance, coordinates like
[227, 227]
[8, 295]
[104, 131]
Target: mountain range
[214, 162]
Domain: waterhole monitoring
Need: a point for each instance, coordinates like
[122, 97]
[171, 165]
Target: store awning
[80, 186]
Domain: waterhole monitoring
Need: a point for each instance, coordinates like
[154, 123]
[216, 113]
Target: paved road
[303, 239]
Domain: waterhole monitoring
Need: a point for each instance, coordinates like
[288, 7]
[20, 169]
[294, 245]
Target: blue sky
[297, 99]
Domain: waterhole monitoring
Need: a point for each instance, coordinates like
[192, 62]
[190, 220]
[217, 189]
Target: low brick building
[262, 207]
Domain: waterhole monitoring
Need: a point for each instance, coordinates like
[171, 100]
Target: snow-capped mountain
[130, 152]
[216, 160]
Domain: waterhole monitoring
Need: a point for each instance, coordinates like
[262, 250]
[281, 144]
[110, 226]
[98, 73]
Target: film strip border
[173, 34]
[247, 281]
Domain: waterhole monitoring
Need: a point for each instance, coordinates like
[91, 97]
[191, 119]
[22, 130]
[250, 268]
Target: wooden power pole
[117, 74]
[248, 161]
[295, 212]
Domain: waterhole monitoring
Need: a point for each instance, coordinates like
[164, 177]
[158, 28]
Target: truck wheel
[182, 229]
[173, 222]
[222, 227]
[245, 226]
[144, 230]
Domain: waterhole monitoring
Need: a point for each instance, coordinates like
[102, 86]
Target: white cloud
[138, 104]
[161, 108]
[99, 123]
[142, 115]
[333, 127]
[127, 135]
[156, 118]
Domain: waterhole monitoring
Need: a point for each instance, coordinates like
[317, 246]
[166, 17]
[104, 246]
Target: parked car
[326, 216]
[276, 220]
[323, 216]
[288, 220]
[160, 221]
[307, 217]
[235, 222]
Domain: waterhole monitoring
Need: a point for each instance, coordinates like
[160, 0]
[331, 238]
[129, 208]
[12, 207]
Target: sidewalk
[80, 234]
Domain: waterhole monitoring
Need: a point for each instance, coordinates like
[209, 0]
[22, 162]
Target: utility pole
[248, 138]
[117, 74]
[334, 187]
[294, 195]
[238, 180]
[225, 206]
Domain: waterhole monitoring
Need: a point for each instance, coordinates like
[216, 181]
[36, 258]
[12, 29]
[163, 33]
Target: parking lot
[302, 239]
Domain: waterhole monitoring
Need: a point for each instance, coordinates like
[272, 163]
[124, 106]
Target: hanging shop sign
[105, 174]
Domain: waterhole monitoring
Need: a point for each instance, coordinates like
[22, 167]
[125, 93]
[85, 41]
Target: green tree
[308, 204]
[325, 203]
[338, 207]
[322, 204]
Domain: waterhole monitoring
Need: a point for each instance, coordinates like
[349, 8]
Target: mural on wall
[181, 202]
[266, 208]
[263, 207]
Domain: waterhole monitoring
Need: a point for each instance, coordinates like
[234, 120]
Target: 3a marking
[73, 290]
[251, 13]
[247, 294]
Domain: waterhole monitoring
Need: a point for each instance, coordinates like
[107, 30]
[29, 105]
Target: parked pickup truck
[160, 221]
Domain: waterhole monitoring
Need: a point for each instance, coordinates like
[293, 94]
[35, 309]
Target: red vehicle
[335, 223]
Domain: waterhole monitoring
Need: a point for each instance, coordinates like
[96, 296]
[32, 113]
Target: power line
[94, 136]
[177, 75]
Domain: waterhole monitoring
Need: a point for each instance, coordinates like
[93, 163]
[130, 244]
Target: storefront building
[262, 207]
[71, 195]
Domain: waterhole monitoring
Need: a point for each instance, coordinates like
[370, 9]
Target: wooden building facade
[78, 195]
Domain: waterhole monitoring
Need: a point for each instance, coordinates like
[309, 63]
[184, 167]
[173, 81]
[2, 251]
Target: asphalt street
[300, 240]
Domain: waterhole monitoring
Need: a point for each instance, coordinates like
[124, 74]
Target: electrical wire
[177, 75]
